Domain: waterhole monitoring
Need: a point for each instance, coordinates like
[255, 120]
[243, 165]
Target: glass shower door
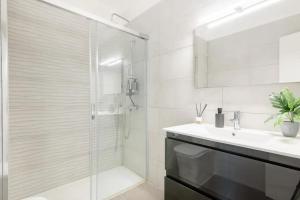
[1, 115]
[3, 68]
[119, 74]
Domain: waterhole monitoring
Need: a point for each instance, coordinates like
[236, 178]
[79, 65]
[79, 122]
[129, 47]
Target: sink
[228, 133]
[267, 141]
[242, 136]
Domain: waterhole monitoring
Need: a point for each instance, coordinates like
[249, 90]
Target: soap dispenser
[219, 119]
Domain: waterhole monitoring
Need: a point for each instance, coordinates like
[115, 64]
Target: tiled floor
[143, 192]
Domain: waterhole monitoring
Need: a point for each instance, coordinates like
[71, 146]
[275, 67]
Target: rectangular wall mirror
[250, 47]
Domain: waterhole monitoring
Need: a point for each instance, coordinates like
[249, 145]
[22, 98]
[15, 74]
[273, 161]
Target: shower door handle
[93, 111]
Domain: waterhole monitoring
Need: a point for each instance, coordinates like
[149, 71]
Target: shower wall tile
[210, 96]
[109, 135]
[256, 121]
[153, 70]
[134, 160]
[110, 157]
[176, 93]
[153, 120]
[152, 19]
[170, 25]
[169, 117]
[156, 145]
[48, 96]
[254, 99]
[153, 81]
[176, 65]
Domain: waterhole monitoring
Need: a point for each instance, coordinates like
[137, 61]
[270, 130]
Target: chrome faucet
[236, 120]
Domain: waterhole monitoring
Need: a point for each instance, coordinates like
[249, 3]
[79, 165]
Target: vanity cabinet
[178, 191]
[207, 172]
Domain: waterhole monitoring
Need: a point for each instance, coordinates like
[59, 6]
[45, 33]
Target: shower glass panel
[120, 111]
[1, 113]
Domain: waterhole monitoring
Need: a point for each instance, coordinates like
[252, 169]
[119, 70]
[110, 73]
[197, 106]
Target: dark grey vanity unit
[199, 169]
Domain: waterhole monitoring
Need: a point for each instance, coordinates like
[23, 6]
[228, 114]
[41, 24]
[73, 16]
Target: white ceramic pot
[290, 129]
[199, 120]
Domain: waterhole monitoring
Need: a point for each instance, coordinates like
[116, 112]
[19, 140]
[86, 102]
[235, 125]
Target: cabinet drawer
[177, 191]
[228, 176]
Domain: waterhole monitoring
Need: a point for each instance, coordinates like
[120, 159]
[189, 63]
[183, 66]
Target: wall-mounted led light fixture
[241, 11]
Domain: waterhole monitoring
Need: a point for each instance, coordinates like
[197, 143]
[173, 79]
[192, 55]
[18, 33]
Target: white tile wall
[48, 98]
[170, 25]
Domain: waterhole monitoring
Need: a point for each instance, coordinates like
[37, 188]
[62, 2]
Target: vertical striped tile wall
[48, 96]
[109, 140]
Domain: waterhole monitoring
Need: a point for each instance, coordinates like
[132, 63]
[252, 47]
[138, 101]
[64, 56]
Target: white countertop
[267, 141]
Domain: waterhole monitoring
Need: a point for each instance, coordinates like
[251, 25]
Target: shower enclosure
[118, 110]
[75, 93]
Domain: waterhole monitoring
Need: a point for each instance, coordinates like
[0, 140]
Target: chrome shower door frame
[95, 93]
[4, 102]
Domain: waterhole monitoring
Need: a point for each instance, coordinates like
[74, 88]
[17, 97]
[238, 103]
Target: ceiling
[129, 8]
[104, 8]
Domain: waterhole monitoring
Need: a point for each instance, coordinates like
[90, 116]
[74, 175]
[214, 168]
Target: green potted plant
[288, 116]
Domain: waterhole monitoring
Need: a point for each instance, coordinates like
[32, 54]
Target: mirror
[252, 45]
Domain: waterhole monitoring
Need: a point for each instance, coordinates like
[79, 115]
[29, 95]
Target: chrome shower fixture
[132, 86]
[132, 89]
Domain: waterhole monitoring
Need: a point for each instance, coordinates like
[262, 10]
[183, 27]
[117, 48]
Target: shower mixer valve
[132, 86]
[132, 89]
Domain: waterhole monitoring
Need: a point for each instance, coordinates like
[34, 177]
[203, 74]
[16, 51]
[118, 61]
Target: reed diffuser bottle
[199, 111]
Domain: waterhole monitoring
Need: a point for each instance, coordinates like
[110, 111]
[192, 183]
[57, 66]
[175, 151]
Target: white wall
[172, 95]
[93, 7]
[105, 8]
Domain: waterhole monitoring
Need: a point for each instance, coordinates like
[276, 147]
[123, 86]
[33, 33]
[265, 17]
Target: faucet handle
[236, 116]
[236, 120]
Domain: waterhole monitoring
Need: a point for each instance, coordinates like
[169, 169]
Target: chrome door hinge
[93, 111]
